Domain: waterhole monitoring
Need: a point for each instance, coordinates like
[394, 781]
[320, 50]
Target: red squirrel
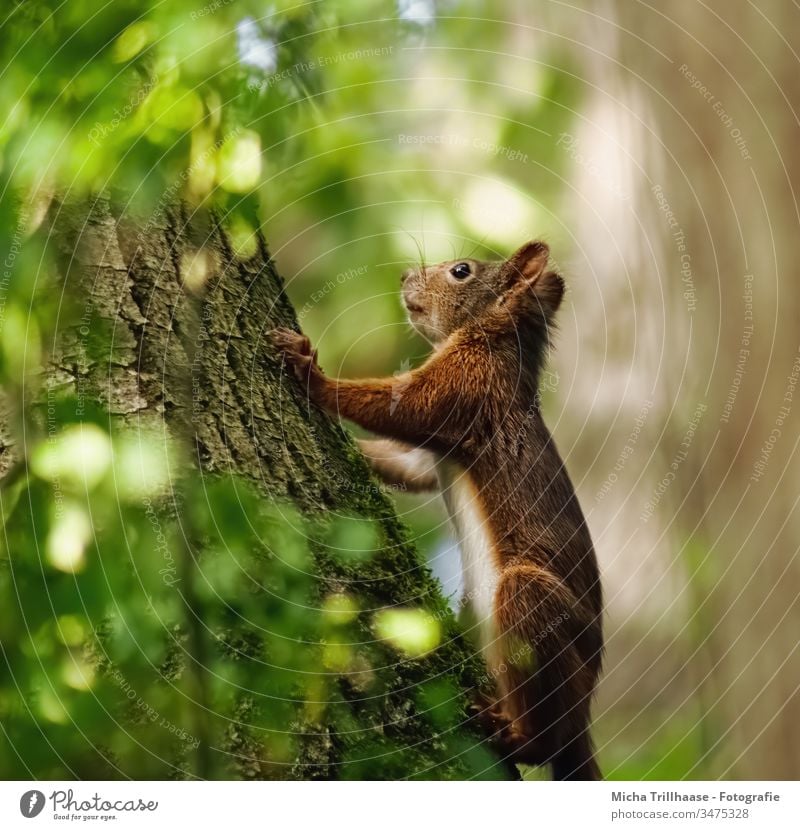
[467, 422]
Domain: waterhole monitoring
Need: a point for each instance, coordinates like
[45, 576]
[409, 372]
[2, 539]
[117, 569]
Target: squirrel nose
[406, 274]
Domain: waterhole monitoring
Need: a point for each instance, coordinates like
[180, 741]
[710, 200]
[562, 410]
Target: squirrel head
[441, 299]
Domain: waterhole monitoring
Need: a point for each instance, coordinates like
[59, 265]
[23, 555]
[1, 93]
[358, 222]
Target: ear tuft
[527, 263]
[549, 289]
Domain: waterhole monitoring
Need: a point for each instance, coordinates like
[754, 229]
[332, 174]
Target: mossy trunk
[171, 331]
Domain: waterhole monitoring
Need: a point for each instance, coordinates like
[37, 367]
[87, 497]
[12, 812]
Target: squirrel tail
[576, 761]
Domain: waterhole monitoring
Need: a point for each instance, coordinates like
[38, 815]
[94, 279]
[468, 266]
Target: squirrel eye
[461, 271]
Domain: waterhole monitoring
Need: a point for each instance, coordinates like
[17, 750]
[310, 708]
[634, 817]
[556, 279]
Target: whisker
[422, 252]
[413, 239]
[419, 251]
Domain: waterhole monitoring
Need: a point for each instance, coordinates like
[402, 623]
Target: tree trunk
[183, 349]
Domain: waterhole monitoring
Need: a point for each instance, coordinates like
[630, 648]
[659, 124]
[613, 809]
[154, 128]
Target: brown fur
[475, 401]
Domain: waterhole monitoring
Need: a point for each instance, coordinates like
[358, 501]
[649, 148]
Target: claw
[297, 354]
[504, 735]
[289, 340]
[490, 715]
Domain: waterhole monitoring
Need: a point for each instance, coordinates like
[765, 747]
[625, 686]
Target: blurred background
[653, 148]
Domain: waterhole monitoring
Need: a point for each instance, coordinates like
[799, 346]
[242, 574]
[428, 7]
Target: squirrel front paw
[298, 354]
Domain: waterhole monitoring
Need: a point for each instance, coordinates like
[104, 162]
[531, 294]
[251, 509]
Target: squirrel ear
[527, 263]
[549, 288]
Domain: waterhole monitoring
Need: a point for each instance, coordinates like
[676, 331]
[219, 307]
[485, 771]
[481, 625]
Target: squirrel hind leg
[548, 683]
[509, 724]
[511, 743]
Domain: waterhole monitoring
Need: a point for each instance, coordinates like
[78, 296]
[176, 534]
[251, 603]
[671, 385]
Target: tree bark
[171, 336]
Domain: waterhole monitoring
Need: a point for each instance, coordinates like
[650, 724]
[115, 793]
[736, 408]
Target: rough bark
[199, 364]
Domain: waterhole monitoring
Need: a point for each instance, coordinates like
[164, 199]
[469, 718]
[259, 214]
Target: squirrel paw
[489, 715]
[297, 352]
[504, 735]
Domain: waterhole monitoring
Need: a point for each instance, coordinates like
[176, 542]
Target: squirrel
[468, 422]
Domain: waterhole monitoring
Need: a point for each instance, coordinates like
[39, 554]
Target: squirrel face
[442, 298]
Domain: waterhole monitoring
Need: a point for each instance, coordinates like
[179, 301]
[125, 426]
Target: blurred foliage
[156, 629]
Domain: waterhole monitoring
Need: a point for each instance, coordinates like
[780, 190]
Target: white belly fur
[471, 531]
